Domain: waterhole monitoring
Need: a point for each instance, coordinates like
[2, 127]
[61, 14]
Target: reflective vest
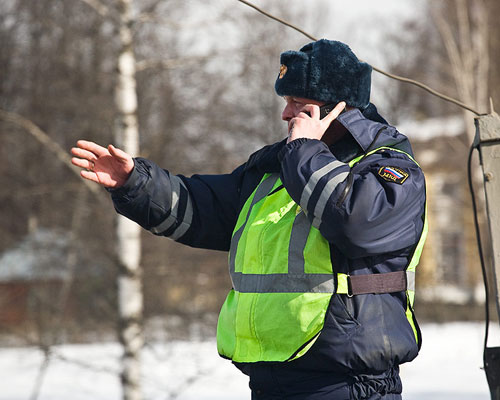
[283, 279]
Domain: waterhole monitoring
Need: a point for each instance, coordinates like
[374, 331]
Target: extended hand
[307, 124]
[109, 167]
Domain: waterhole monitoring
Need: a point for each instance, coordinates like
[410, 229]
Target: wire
[479, 246]
[282, 21]
[392, 76]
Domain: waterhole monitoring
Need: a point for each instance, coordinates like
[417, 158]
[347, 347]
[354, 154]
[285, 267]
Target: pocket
[339, 318]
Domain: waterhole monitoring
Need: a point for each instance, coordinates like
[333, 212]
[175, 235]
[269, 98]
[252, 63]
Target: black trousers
[325, 395]
[279, 382]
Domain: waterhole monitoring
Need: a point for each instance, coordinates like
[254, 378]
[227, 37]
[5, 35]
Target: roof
[452, 125]
[41, 255]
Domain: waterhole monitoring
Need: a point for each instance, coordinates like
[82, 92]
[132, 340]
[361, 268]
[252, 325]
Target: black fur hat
[327, 71]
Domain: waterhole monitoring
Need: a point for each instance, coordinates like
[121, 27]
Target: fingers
[91, 176]
[92, 147]
[86, 164]
[85, 154]
[334, 113]
[311, 110]
[118, 153]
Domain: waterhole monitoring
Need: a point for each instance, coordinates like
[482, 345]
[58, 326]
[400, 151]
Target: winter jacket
[373, 224]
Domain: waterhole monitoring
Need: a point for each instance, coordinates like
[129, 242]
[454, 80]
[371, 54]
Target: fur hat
[327, 71]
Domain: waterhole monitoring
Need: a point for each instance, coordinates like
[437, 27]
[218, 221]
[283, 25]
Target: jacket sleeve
[200, 211]
[356, 209]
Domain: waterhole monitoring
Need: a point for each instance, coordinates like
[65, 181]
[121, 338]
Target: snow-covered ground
[449, 367]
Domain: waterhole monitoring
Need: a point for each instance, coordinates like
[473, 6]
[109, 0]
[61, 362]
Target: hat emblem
[283, 69]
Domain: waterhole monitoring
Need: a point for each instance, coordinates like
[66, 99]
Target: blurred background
[203, 75]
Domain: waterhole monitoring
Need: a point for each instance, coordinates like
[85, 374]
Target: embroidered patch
[393, 174]
[283, 69]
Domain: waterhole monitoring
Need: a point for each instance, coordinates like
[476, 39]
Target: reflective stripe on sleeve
[178, 189]
[186, 220]
[314, 179]
[325, 196]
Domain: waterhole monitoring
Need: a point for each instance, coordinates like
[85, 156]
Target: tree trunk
[130, 298]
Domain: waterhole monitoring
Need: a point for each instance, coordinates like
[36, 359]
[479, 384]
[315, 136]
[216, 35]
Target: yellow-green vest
[283, 279]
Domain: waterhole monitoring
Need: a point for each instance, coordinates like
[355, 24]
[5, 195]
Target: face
[294, 106]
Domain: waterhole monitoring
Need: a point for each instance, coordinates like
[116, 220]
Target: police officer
[324, 231]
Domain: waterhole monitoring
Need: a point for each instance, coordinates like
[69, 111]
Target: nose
[287, 113]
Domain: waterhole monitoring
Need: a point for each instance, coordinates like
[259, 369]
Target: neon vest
[283, 279]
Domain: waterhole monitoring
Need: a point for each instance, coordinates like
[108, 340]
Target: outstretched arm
[110, 167]
[200, 211]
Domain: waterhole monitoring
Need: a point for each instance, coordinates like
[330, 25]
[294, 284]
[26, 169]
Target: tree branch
[49, 143]
[181, 61]
[99, 7]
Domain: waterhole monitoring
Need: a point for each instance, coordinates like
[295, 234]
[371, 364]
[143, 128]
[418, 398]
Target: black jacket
[372, 223]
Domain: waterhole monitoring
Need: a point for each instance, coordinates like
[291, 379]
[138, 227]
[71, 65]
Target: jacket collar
[364, 131]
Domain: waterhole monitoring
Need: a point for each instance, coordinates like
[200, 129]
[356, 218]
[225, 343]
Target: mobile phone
[325, 109]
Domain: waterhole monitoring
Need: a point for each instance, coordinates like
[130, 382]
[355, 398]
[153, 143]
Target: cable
[479, 246]
[392, 76]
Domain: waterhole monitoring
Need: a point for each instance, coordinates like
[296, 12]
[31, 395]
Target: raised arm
[200, 211]
[356, 209]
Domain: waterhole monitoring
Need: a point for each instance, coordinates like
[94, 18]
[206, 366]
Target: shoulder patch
[393, 174]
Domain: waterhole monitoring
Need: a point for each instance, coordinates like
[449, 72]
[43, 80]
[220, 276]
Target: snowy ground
[447, 368]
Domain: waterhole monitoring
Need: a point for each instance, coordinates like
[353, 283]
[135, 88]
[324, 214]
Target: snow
[448, 367]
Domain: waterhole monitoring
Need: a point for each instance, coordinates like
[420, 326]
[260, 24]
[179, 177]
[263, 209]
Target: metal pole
[488, 135]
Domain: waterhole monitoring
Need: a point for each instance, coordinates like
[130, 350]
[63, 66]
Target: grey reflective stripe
[283, 283]
[186, 220]
[298, 239]
[262, 191]
[410, 280]
[325, 196]
[296, 280]
[314, 179]
[176, 184]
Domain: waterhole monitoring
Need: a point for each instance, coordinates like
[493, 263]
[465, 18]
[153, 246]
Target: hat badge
[283, 69]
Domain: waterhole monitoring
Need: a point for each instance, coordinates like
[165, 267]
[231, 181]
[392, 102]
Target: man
[324, 231]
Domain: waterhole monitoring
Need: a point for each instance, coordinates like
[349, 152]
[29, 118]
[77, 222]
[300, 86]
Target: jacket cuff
[130, 183]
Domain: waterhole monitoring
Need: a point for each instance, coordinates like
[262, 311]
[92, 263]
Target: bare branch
[453, 52]
[152, 8]
[83, 364]
[99, 7]
[50, 144]
[282, 21]
[464, 29]
[172, 63]
[182, 61]
[392, 76]
[482, 54]
[41, 374]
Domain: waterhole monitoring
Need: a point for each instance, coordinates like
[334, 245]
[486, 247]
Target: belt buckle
[349, 286]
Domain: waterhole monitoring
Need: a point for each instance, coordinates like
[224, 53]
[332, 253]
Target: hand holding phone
[313, 128]
[325, 109]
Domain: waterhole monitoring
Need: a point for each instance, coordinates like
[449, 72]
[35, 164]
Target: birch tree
[128, 249]
[130, 297]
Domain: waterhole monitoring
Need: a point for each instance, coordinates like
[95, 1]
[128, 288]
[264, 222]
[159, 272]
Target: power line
[393, 76]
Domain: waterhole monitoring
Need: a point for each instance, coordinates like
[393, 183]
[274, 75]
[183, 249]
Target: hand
[110, 167]
[310, 125]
